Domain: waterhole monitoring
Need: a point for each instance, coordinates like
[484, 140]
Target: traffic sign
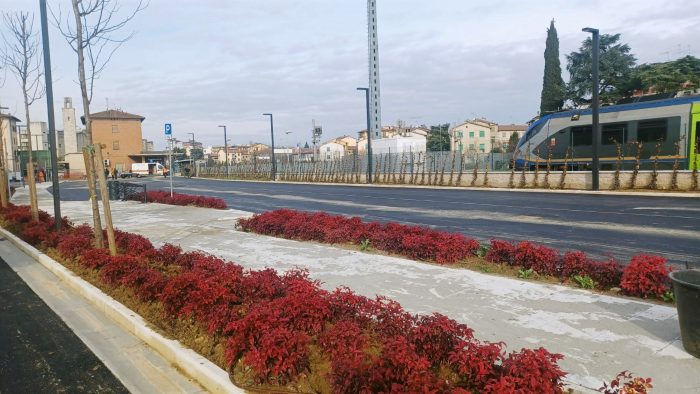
[168, 129]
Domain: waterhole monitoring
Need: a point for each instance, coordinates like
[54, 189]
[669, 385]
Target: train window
[613, 133]
[581, 136]
[651, 130]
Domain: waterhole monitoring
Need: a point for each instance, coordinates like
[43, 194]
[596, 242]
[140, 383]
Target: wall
[128, 136]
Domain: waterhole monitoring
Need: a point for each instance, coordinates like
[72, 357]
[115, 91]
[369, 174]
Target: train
[661, 132]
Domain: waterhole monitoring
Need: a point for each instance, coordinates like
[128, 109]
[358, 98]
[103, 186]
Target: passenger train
[565, 138]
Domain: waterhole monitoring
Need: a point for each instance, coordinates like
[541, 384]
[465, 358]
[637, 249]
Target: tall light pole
[192, 154]
[225, 149]
[369, 137]
[595, 49]
[272, 137]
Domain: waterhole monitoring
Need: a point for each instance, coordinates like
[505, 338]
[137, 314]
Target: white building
[8, 128]
[70, 130]
[338, 148]
[396, 140]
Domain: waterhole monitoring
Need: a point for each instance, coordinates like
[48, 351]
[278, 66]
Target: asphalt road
[38, 352]
[603, 225]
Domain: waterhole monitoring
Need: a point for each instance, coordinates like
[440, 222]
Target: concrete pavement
[599, 335]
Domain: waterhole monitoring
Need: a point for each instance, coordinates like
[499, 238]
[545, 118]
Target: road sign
[168, 129]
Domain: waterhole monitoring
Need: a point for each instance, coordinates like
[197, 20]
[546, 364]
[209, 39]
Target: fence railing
[120, 190]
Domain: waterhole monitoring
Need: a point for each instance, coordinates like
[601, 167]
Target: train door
[695, 138]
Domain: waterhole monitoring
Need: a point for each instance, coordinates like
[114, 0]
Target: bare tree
[91, 33]
[22, 57]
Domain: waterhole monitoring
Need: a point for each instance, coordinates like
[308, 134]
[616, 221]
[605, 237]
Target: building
[146, 145]
[395, 140]
[338, 148]
[121, 133]
[70, 130]
[473, 135]
[505, 131]
[8, 128]
[39, 132]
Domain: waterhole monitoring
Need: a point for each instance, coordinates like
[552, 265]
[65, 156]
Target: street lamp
[225, 149]
[272, 137]
[369, 137]
[192, 153]
[595, 49]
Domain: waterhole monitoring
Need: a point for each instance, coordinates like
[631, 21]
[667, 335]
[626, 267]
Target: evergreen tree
[513, 141]
[552, 85]
[438, 139]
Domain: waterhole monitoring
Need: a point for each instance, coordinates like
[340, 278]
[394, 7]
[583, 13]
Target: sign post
[169, 135]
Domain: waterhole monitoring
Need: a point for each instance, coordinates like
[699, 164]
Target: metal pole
[192, 155]
[595, 106]
[49, 106]
[171, 166]
[225, 150]
[272, 137]
[369, 137]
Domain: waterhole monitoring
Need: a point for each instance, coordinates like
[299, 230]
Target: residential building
[146, 145]
[121, 133]
[473, 135]
[505, 131]
[39, 132]
[8, 130]
[395, 140]
[338, 148]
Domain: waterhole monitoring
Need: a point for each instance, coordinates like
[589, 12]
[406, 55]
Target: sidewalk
[598, 335]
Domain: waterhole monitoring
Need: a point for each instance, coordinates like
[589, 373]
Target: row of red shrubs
[276, 324]
[163, 197]
[644, 276]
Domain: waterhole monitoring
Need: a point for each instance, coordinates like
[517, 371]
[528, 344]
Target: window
[651, 130]
[613, 133]
[582, 136]
[482, 147]
[482, 134]
[471, 146]
[115, 128]
[471, 134]
[115, 145]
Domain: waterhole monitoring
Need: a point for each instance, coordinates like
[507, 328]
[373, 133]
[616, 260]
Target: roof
[512, 127]
[11, 117]
[116, 114]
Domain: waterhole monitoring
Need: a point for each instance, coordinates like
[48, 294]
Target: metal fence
[406, 167]
[119, 190]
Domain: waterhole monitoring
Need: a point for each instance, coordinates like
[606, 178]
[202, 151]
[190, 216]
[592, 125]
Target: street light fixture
[272, 137]
[225, 149]
[595, 105]
[369, 137]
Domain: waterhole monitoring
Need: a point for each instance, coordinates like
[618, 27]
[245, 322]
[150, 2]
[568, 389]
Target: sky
[200, 64]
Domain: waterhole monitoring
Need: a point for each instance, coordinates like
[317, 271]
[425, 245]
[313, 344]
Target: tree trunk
[99, 169]
[4, 189]
[97, 223]
[33, 203]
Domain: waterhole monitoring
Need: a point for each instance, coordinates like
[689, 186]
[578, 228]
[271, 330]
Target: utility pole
[595, 104]
[272, 155]
[52, 122]
[225, 149]
[369, 137]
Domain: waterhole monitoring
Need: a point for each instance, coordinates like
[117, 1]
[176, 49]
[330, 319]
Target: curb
[640, 193]
[206, 373]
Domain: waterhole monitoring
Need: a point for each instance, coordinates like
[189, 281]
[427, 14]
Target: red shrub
[646, 276]
[606, 274]
[167, 254]
[133, 244]
[529, 371]
[37, 233]
[72, 244]
[436, 336]
[500, 252]
[94, 258]
[118, 268]
[476, 363]
[575, 263]
[540, 258]
[279, 355]
[163, 197]
[626, 383]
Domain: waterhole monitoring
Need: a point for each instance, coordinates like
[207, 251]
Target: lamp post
[369, 137]
[192, 154]
[225, 149]
[595, 49]
[272, 137]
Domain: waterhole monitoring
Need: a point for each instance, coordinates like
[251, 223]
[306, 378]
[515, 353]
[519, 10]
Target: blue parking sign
[168, 129]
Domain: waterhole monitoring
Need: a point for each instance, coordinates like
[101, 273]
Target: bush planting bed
[163, 197]
[645, 275]
[283, 331]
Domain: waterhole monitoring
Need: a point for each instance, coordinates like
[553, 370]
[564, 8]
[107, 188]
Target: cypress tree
[552, 84]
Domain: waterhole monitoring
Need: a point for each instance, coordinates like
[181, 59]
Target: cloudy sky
[199, 64]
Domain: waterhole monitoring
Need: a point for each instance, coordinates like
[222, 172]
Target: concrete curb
[640, 193]
[206, 373]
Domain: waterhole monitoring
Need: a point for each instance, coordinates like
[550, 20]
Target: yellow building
[121, 133]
